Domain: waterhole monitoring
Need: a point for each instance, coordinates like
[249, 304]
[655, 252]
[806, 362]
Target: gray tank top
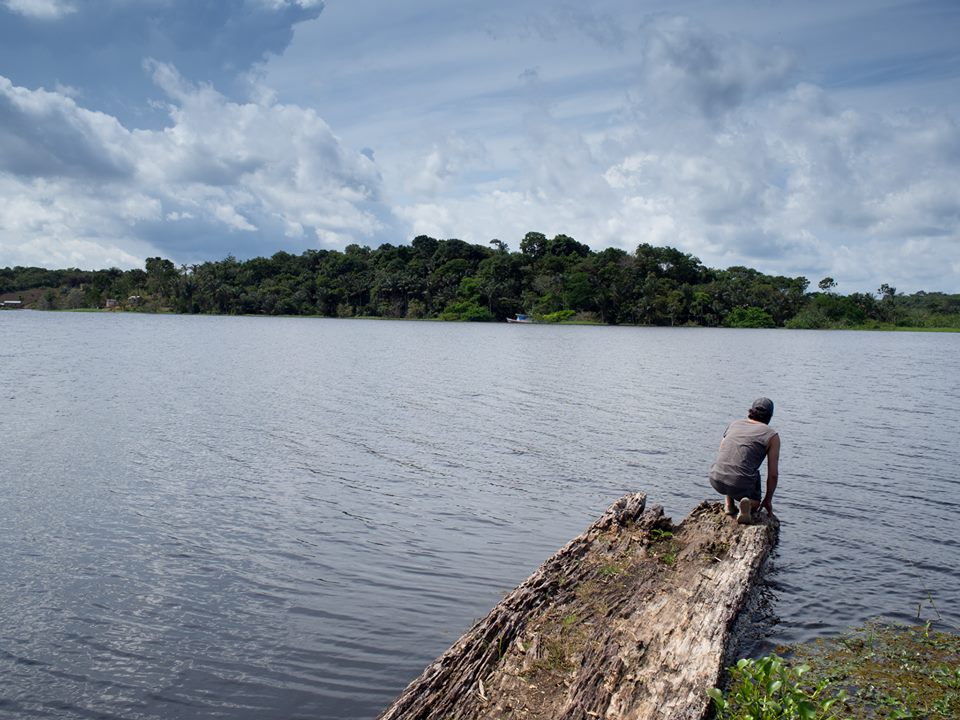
[742, 451]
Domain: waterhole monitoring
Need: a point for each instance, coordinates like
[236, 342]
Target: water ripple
[247, 517]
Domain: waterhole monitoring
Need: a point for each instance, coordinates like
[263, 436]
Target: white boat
[520, 318]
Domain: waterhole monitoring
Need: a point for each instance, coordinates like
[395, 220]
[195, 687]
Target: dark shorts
[737, 493]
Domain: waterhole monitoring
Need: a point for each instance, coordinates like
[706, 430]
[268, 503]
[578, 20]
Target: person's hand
[768, 505]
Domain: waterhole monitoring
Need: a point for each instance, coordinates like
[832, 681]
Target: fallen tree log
[631, 619]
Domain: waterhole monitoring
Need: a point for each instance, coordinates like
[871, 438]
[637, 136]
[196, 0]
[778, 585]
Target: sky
[816, 138]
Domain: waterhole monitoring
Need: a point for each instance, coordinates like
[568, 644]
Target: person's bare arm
[773, 473]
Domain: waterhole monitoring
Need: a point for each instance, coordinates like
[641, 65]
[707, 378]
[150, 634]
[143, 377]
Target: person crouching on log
[736, 471]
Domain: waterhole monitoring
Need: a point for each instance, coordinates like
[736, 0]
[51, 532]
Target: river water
[208, 517]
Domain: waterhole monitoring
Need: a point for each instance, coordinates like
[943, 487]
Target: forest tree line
[552, 279]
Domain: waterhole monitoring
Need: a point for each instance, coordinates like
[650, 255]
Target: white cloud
[267, 169]
[333, 239]
[433, 219]
[281, 4]
[269, 159]
[41, 9]
[47, 134]
[722, 154]
[444, 165]
[560, 21]
[685, 63]
[61, 223]
[228, 215]
[790, 182]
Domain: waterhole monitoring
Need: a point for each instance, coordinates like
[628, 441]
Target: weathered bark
[631, 619]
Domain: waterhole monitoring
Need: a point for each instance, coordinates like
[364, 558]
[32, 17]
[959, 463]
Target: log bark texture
[631, 619]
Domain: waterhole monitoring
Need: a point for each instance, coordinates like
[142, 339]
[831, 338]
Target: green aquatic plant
[611, 569]
[658, 534]
[891, 671]
[769, 689]
[874, 672]
[662, 547]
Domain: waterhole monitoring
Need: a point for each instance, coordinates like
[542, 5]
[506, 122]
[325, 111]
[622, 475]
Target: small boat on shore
[520, 318]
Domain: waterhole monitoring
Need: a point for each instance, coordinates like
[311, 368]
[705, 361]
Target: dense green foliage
[554, 279]
[878, 671]
[769, 689]
[922, 309]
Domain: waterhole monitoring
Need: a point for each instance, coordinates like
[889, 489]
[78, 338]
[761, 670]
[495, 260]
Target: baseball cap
[763, 406]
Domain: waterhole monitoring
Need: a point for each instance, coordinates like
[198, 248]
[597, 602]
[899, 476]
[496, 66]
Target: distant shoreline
[549, 280]
[594, 323]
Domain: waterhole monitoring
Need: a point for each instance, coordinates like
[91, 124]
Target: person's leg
[729, 500]
[748, 504]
